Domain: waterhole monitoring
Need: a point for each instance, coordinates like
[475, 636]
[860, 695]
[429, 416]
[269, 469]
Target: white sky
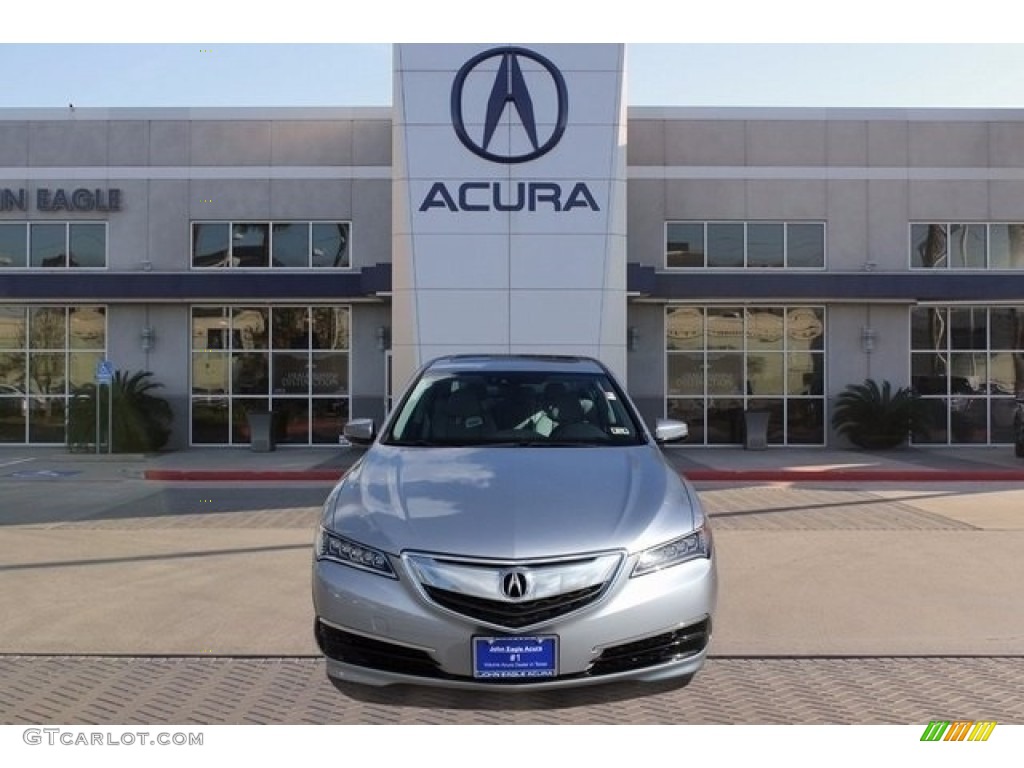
[744, 53]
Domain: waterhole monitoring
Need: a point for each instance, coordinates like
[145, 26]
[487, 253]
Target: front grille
[374, 654]
[651, 651]
[514, 615]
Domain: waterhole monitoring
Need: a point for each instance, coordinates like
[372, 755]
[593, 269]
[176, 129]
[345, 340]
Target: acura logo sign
[509, 105]
[509, 93]
[514, 585]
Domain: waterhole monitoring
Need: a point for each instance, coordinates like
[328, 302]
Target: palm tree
[875, 417]
[141, 421]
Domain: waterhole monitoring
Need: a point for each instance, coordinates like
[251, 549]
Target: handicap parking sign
[104, 372]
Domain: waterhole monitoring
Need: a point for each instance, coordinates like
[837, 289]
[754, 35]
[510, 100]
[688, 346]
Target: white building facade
[306, 261]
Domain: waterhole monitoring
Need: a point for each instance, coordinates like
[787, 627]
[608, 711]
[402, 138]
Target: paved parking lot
[180, 691]
[132, 601]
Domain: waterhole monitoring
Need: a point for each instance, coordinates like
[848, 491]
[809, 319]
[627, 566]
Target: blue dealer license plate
[512, 657]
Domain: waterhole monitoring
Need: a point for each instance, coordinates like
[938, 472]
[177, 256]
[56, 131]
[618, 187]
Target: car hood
[511, 502]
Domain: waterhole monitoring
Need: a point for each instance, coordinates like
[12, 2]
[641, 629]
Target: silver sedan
[513, 524]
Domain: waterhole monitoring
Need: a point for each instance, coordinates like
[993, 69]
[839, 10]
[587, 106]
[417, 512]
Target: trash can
[755, 430]
[261, 432]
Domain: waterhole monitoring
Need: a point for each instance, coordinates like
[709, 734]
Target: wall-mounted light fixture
[147, 337]
[383, 338]
[868, 337]
[632, 336]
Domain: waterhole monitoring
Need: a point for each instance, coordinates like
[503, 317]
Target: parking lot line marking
[16, 461]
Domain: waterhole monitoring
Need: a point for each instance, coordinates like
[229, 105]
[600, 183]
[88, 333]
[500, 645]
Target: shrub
[141, 420]
[875, 417]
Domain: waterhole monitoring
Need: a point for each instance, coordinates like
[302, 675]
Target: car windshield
[515, 409]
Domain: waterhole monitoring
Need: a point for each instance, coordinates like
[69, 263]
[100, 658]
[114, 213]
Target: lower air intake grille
[374, 654]
[651, 651]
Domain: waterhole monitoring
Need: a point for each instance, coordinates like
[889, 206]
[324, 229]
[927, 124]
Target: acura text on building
[519, 196]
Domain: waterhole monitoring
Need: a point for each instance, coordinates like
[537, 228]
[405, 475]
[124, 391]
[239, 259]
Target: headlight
[690, 547]
[331, 546]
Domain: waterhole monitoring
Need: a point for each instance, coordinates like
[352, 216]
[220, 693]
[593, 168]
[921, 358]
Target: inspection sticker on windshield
[515, 656]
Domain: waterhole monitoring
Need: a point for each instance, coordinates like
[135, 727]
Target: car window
[514, 408]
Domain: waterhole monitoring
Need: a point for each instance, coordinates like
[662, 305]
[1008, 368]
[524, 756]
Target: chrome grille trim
[472, 588]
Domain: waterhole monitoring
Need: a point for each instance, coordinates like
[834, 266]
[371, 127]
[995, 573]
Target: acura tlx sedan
[513, 525]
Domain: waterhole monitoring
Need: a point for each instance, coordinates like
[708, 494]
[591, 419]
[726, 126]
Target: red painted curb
[856, 475]
[231, 475]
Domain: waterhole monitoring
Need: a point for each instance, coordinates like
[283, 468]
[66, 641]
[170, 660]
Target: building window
[739, 245]
[262, 244]
[966, 246]
[46, 354]
[46, 245]
[723, 361]
[292, 360]
[967, 363]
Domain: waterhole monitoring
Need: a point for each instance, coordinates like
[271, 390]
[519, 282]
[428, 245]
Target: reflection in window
[765, 245]
[291, 360]
[210, 245]
[12, 327]
[736, 244]
[966, 246]
[46, 353]
[723, 361]
[685, 245]
[805, 245]
[48, 245]
[291, 245]
[291, 328]
[684, 328]
[250, 328]
[1006, 246]
[47, 327]
[967, 364]
[725, 245]
[330, 328]
[88, 245]
[13, 242]
[330, 245]
[250, 245]
[250, 373]
[330, 373]
[87, 327]
[282, 244]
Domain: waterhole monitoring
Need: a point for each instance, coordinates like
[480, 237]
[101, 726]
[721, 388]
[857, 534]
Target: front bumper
[380, 631]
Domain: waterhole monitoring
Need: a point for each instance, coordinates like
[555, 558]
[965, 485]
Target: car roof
[516, 363]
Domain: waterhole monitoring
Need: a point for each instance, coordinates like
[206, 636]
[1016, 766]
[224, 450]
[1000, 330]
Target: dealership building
[308, 260]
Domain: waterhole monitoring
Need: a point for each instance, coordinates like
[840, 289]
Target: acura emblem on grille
[513, 585]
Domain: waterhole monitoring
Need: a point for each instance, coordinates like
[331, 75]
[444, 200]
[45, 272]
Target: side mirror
[360, 431]
[670, 431]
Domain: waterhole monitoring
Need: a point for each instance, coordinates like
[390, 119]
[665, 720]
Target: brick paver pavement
[43, 690]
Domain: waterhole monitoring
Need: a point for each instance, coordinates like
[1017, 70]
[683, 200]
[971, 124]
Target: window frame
[746, 224]
[271, 224]
[67, 224]
[947, 265]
